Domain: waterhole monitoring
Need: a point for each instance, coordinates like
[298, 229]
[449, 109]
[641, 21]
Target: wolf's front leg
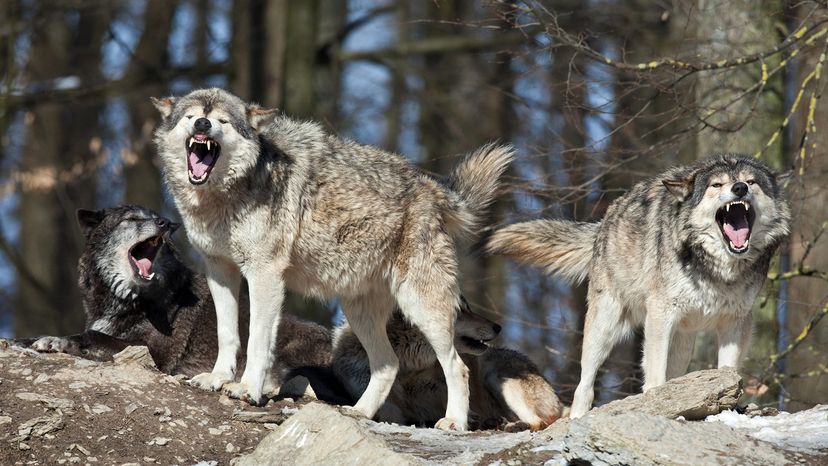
[267, 291]
[734, 341]
[658, 331]
[223, 278]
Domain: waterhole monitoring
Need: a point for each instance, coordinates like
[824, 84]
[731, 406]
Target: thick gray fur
[289, 205]
[660, 259]
[172, 314]
[506, 388]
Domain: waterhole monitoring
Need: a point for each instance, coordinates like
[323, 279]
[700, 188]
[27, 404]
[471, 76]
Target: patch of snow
[805, 430]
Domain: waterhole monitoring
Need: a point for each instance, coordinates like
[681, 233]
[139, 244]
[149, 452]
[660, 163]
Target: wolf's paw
[51, 345]
[448, 423]
[241, 391]
[210, 381]
[517, 426]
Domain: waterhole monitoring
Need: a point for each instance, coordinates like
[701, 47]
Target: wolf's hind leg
[434, 313]
[224, 279]
[368, 317]
[267, 291]
[681, 351]
[603, 328]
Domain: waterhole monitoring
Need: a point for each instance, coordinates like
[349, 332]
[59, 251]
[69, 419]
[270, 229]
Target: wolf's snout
[166, 224]
[202, 125]
[739, 189]
[497, 328]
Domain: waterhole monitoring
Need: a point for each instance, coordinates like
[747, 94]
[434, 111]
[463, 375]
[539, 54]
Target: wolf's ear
[88, 220]
[164, 105]
[782, 179]
[680, 188]
[258, 116]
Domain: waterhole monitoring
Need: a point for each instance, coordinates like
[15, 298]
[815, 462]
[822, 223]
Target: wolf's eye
[223, 121]
[716, 185]
[751, 182]
[189, 117]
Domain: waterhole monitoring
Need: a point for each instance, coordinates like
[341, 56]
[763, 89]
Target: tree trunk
[61, 154]
[807, 380]
[727, 30]
[141, 166]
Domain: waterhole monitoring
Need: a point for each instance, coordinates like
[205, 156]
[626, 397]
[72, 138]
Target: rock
[160, 441]
[694, 396]
[139, 355]
[645, 439]
[51, 402]
[100, 409]
[40, 426]
[5, 420]
[321, 434]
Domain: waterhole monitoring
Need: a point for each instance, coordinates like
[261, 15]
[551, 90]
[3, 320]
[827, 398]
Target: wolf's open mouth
[478, 346]
[202, 154]
[142, 256]
[735, 220]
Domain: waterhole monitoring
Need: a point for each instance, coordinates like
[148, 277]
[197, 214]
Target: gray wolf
[685, 251]
[136, 291]
[505, 386]
[285, 204]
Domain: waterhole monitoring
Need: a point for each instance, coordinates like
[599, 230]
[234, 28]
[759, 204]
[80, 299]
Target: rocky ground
[56, 409]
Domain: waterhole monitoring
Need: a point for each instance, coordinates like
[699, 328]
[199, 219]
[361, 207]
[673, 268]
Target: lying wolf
[136, 291]
[505, 386]
[285, 204]
[685, 251]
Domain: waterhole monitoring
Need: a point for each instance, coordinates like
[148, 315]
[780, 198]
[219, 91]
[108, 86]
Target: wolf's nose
[739, 189]
[202, 124]
[162, 222]
[497, 329]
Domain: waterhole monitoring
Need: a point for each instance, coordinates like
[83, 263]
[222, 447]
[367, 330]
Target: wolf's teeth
[727, 207]
[208, 144]
[151, 276]
[192, 141]
[747, 206]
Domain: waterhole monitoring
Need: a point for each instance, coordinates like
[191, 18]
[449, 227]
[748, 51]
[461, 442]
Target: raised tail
[562, 247]
[473, 186]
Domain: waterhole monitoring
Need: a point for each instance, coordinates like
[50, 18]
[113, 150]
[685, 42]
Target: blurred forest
[594, 94]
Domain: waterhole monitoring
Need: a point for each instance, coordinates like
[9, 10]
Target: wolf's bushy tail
[473, 186]
[562, 247]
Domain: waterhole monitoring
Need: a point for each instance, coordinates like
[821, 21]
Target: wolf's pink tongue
[738, 236]
[200, 166]
[143, 265]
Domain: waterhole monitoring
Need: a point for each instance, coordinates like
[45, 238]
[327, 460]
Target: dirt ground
[56, 409]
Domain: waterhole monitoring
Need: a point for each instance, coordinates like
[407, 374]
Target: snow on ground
[805, 430]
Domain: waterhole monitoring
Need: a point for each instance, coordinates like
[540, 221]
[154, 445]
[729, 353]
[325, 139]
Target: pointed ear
[258, 116]
[88, 220]
[680, 188]
[782, 179]
[164, 105]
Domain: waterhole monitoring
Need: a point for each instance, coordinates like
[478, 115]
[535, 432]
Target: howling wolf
[285, 204]
[136, 291]
[687, 250]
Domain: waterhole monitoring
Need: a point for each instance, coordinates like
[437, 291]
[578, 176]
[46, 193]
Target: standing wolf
[136, 291]
[685, 251]
[285, 204]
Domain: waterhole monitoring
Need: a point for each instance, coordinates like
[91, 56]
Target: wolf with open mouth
[285, 204]
[136, 291]
[507, 389]
[687, 250]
